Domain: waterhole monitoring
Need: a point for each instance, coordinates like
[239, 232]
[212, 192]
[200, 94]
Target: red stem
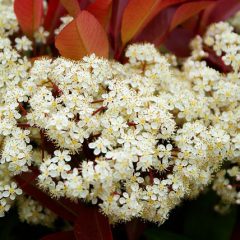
[99, 110]
[42, 143]
[24, 125]
[151, 176]
[97, 101]
[23, 110]
[131, 124]
[56, 88]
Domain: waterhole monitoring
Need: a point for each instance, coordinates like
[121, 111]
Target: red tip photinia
[29, 15]
[83, 36]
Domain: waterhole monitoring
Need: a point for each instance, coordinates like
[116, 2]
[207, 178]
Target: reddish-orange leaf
[222, 10]
[204, 21]
[157, 30]
[139, 13]
[27, 183]
[115, 25]
[29, 15]
[101, 9]
[84, 3]
[188, 10]
[55, 11]
[83, 36]
[181, 46]
[72, 7]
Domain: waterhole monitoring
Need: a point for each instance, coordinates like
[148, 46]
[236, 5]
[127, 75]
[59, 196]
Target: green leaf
[160, 234]
[202, 222]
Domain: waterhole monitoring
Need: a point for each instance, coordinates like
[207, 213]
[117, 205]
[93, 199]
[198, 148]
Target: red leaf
[55, 11]
[92, 225]
[29, 15]
[62, 208]
[222, 10]
[115, 26]
[84, 3]
[72, 7]
[139, 13]
[181, 46]
[101, 9]
[157, 30]
[188, 10]
[135, 229]
[68, 235]
[83, 36]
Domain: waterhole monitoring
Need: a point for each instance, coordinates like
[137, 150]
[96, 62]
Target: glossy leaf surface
[72, 6]
[139, 13]
[101, 9]
[83, 36]
[29, 15]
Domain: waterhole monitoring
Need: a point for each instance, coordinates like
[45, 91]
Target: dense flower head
[135, 138]
[32, 212]
[119, 136]
[222, 92]
[8, 20]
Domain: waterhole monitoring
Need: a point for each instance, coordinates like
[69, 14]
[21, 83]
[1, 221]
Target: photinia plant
[30, 15]
[84, 35]
[105, 28]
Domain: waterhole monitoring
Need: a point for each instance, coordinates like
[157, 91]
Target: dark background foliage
[193, 220]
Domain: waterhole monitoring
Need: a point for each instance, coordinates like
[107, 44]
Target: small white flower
[61, 156]
[100, 145]
[4, 207]
[23, 43]
[11, 191]
[41, 35]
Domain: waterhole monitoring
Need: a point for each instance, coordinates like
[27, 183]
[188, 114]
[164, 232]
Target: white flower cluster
[224, 42]
[32, 212]
[8, 190]
[127, 137]
[223, 91]
[8, 20]
[134, 138]
[16, 153]
[116, 137]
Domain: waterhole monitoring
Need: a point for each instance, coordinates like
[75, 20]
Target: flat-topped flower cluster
[134, 138]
